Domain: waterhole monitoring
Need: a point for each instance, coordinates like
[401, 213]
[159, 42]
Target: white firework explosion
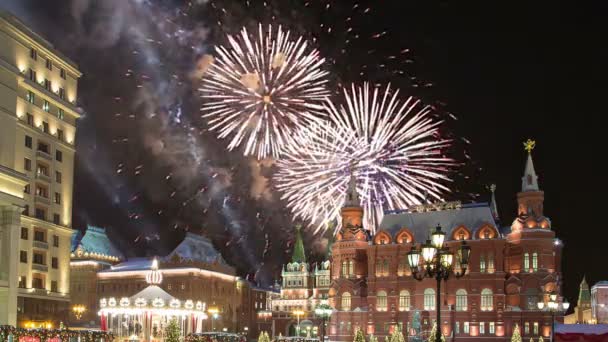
[259, 90]
[392, 147]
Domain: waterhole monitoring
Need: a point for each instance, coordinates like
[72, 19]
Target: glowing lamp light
[553, 296]
[428, 252]
[140, 302]
[413, 258]
[437, 237]
[189, 304]
[158, 302]
[541, 305]
[447, 258]
[199, 305]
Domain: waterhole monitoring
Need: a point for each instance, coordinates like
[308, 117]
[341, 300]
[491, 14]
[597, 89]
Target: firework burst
[392, 146]
[260, 89]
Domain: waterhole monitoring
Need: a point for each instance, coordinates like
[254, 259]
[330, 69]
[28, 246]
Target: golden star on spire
[529, 145]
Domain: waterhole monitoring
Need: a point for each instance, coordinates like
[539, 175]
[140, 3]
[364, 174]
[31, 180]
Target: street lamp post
[298, 313]
[213, 311]
[437, 263]
[553, 306]
[323, 311]
[78, 310]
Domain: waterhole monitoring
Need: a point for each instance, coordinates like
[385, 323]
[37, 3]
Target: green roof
[584, 295]
[298, 249]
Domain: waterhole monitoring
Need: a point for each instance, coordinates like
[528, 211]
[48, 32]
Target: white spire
[529, 182]
[493, 205]
[352, 196]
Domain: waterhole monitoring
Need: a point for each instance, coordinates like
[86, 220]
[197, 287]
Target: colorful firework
[392, 147]
[258, 91]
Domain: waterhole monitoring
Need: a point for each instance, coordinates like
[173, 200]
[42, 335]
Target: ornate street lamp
[553, 306]
[78, 310]
[437, 261]
[323, 311]
[298, 313]
[214, 312]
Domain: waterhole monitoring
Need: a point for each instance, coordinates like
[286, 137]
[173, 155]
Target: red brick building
[510, 271]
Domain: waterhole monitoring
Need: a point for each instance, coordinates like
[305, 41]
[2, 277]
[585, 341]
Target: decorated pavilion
[145, 315]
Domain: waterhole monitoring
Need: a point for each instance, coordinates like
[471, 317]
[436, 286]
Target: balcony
[39, 267]
[44, 155]
[43, 177]
[43, 200]
[40, 244]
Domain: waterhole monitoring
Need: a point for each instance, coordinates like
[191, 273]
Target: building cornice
[46, 224]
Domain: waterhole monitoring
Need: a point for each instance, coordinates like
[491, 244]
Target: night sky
[149, 171]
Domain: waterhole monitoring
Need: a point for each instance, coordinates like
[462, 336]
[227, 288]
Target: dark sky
[508, 73]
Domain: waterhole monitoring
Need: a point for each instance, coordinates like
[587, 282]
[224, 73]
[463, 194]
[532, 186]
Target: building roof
[584, 295]
[95, 241]
[133, 264]
[529, 182]
[602, 283]
[152, 292]
[197, 248]
[472, 216]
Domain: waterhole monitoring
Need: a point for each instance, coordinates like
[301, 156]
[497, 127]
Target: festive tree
[531, 339]
[540, 339]
[433, 334]
[172, 331]
[516, 335]
[397, 336]
[359, 337]
[373, 338]
[264, 337]
[387, 339]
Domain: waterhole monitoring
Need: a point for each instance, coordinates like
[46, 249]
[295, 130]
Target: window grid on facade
[482, 264]
[351, 268]
[429, 299]
[461, 300]
[534, 262]
[535, 328]
[526, 262]
[457, 328]
[492, 328]
[345, 301]
[381, 301]
[404, 300]
[482, 328]
[526, 328]
[344, 269]
[466, 327]
[487, 300]
[491, 268]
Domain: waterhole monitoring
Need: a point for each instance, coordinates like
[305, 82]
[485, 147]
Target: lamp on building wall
[437, 261]
[324, 311]
[553, 306]
[298, 313]
[214, 312]
[78, 310]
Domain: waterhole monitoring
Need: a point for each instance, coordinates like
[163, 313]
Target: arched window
[402, 268]
[482, 263]
[381, 301]
[534, 262]
[351, 268]
[461, 300]
[385, 268]
[345, 301]
[344, 269]
[487, 300]
[526, 262]
[491, 268]
[429, 299]
[404, 300]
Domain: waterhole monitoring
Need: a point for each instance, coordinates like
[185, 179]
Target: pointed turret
[352, 196]
[529, 182]
[299, 255]
[493, 205]
[584, 295]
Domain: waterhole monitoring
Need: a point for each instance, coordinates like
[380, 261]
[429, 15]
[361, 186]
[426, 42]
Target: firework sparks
[392, 147]
[258, 91]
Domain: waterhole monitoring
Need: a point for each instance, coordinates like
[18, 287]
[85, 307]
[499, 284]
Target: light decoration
[112, 301]
[124, 301]
[200, 306]
[189, 304]
[158, 302]
[175, 303]
[154, 277]
[103, 303]
[140, 302]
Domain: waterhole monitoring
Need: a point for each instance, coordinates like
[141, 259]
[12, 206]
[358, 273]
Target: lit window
[492, 328]
[466, 327]
[60, 113]
[535, 328]
[487, 300]
[461, 300]
[351, 268]
[345, 301]
[482, 328]
[526, 328]
[491, 268]
[526, 262]
[534, 262]
[457, 328]
[404, 300]
[30, 97]
[429, 299]
[482, 264]
[45, 106]
[344, 269]
[381, 301]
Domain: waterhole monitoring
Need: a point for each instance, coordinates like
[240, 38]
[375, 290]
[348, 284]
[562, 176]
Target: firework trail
[392, 146]
[259, 90]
